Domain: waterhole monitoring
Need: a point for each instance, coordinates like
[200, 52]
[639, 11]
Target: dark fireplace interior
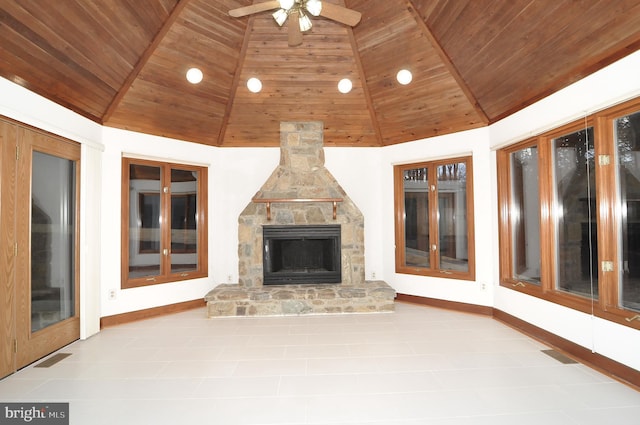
[301, 254]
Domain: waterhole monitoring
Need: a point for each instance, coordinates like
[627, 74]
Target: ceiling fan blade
[340, 14]
[254, 8]
[295, 35]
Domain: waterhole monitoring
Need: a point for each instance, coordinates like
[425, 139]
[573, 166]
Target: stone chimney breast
[301, 174]
[295, 192]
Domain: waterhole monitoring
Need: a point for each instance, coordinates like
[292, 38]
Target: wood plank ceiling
[122, 63]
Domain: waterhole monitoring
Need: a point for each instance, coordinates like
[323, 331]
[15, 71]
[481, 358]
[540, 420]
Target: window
[570, 218]
[626, 130]
[164, 236]
[434, 218]
[576, 247]
[523, 240]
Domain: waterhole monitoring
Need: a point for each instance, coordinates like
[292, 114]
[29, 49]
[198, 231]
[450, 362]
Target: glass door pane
[52, 240]
[525, 215]
[452, 216]
[628, 146]
[144, 221]
[577, 247]
[416, 220]
[184, 220]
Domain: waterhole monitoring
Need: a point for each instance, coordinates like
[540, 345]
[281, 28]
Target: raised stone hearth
[233, 300]
[295, 195]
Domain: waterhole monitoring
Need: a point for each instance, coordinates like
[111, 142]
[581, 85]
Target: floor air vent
[559, 357]
[53, 360]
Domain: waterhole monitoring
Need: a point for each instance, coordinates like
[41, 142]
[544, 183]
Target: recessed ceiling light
[345, 85]
[254, 85]
[194, 75]
[404, 76]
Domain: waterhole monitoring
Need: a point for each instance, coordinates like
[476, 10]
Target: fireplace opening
[301, 254]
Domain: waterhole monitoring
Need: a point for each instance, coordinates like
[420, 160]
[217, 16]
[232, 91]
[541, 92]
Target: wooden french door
[39, 253]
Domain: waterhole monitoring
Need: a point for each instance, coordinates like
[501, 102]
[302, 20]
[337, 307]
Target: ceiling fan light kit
[290, 7]
[280, 16]
[314, 7]
[299, 10]
[305, 22]
[286, 4]
[296, 13]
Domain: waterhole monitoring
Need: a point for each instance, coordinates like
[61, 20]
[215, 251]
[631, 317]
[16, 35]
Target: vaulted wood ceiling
[122, 63]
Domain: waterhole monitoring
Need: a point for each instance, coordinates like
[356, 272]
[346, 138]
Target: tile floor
[419, 365]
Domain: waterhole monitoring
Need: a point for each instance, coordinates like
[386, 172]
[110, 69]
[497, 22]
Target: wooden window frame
[608, 220]
[165, 275]
[399, 206]
[505, 210]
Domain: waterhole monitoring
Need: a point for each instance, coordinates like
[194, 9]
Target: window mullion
[434, 234]
[399, 208]
[166, 221]
[547, 217]
[607, 226]
[504, 213]
[470, 216]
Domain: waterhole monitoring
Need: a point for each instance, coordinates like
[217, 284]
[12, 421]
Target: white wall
[90, 243]
[236, 175]
[476, 144]
[119, 143]
[358, 171]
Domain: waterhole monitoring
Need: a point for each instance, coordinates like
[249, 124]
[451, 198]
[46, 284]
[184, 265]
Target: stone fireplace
[303, 197]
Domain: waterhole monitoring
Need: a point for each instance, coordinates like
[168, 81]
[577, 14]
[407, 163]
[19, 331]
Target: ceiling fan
[298, 12]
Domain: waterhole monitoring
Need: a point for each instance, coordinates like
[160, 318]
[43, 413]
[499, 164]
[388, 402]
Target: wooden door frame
[16, 143]
[8, 146]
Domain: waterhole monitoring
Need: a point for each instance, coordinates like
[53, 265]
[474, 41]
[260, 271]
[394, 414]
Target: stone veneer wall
[300, 175]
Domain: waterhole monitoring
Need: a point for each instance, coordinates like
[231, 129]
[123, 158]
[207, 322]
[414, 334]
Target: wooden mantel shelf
[270, 201]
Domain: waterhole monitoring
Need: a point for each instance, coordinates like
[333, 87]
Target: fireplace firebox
[301, 254]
